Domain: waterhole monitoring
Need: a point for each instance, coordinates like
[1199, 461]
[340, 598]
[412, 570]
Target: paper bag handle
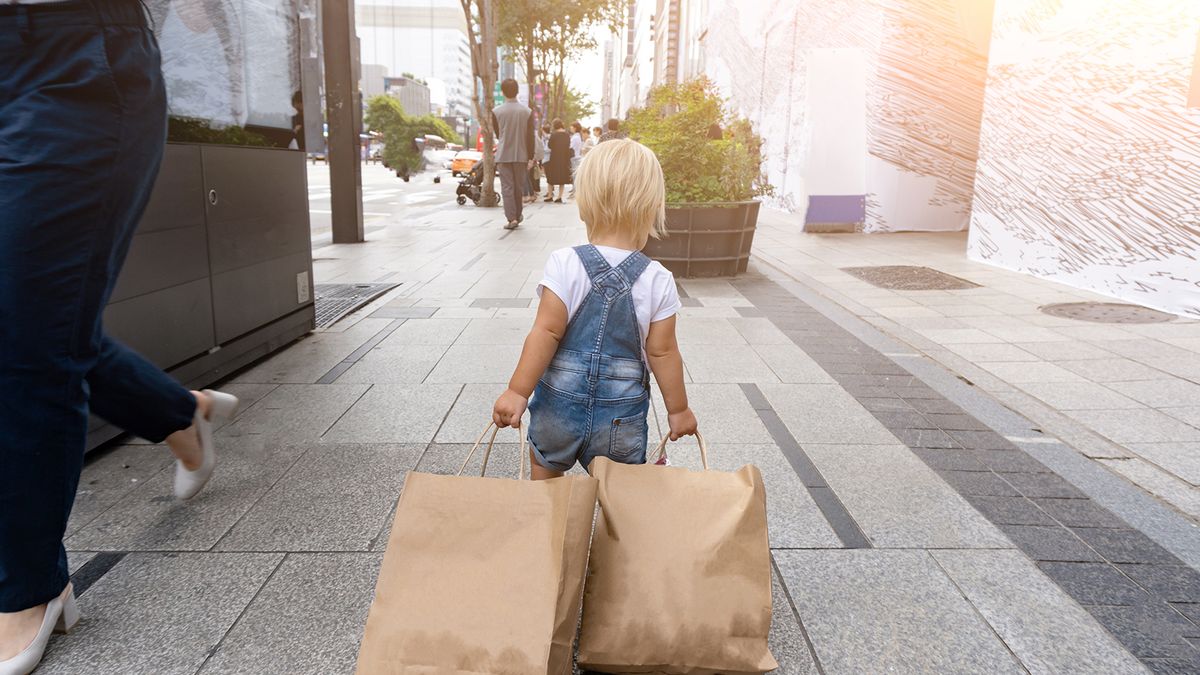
[662, 449]
[487, 452]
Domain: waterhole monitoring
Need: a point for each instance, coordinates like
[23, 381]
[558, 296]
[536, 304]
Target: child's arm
[667, 365]
[540, 345]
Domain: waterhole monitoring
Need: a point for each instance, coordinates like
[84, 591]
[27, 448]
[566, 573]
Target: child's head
[621, 191]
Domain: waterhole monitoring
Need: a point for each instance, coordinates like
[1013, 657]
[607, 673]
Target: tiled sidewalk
[910, 531]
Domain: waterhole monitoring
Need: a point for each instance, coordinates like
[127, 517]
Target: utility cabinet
[219, 272]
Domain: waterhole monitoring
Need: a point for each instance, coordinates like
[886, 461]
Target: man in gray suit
[514, 153]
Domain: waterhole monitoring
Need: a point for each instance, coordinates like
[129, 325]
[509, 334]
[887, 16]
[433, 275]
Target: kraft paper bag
[679, 578]
[481, 575]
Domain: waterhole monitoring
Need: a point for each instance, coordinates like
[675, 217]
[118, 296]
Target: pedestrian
[614, 131]
[590, 140]
[605, 322]
[513, 123]
[558, 173]
[576, 151]
[83, 118]
[539, 154]
[545, 139]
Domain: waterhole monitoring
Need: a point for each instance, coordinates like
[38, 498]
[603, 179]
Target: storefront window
[230, 63]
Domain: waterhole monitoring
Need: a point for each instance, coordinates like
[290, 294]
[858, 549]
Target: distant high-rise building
[606, 85]
[372, 80]
[427, 38]
[412, 93]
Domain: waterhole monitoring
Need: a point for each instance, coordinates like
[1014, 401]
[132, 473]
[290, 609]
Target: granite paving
[909, 532]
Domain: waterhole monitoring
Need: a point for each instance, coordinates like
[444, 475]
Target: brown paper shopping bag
[679, 578]
[481, 575]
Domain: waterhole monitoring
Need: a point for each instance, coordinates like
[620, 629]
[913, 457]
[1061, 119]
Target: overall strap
[593, 262]
[632, 267]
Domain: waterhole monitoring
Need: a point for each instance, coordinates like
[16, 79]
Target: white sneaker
[221, 406]
[61, 616]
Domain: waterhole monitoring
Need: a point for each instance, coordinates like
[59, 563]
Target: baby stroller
[471, 186]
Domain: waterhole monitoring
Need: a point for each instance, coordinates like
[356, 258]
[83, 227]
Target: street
[386, 198]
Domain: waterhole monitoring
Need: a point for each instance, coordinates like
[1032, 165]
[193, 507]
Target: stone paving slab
[395, 413]
[472, 411]
[336, 497]
[476, 363]
[723, 414]
[819, 413]
[793, 520]
[435, 332]
[159, 613]
[899, 502]
[1042, 625]
[787, 641]
[874, 611]
[394, 366]
[726, 363]
[296, 413]
[312, 356]
[150, 518]
[308, 618]
[112, 475]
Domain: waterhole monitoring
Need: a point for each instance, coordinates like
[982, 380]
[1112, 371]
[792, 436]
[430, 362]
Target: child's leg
[539, 472]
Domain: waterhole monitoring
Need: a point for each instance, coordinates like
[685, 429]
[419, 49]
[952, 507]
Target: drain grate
[909, 278]
[337, 300]
[1106, 312]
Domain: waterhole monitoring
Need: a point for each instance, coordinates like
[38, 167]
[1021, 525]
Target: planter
[706, 240]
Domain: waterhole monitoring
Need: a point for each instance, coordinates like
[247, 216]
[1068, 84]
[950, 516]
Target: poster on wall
[230, 62]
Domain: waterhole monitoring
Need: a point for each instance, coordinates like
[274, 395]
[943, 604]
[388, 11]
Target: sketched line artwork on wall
[1089, 167]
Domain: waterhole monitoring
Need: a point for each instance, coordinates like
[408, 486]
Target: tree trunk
[529, 74]
[483, 61]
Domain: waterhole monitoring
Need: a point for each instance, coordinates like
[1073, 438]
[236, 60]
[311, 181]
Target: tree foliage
[576, 106]
[679, 124]
[386, 116]
[546, 34]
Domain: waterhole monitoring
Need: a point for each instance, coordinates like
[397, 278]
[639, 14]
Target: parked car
[441, 159]
[464, 161]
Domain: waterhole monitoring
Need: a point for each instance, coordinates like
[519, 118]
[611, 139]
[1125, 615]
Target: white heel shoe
[188, 483]
[61, 616]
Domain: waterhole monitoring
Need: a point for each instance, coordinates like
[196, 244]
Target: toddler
[605, 321]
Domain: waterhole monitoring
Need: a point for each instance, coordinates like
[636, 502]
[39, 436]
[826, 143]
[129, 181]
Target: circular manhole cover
[1107, 312]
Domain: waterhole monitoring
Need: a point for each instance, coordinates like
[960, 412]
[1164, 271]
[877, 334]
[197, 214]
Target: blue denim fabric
[593, 399]
[82, 129]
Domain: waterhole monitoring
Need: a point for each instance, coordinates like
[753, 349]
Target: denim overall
[593, 399]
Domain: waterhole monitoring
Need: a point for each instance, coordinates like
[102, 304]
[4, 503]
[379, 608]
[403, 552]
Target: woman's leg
[137, 396]
[84, 128]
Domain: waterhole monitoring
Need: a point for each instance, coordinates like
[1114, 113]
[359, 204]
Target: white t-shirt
[654, 294]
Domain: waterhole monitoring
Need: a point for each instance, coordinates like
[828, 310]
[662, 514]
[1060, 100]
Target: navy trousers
[82, 129]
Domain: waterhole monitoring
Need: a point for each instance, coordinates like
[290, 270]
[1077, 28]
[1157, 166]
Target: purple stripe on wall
[836, 209]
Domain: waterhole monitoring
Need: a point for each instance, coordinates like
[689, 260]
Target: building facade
[1062, 133]
[426, 38]
[412, 94]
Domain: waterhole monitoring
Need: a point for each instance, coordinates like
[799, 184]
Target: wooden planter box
[706, 240]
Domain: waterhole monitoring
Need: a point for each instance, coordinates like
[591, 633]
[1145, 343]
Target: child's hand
[682, 424]
[510, 407]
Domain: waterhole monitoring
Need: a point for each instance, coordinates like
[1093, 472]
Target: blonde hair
[621, 190]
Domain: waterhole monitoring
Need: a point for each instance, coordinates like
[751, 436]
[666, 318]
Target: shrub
[386, 116]
[192, 130]
[679, 124]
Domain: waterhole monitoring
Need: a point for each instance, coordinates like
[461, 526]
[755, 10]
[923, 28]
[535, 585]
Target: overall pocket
[627, 439]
